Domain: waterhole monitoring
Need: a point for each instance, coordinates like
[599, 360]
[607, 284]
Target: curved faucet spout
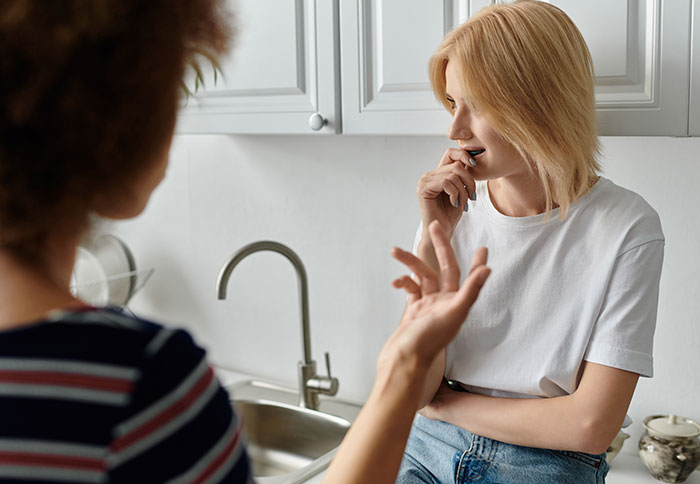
[227, 269]
[310, 384]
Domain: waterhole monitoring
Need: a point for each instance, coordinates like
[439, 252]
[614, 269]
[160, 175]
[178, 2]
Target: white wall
[341, 202]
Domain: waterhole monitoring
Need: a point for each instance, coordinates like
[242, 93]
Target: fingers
[471, 287]
[465, 177]
[454, 180]
[479, 258]
[409, 285]
[456, 192]
[449, 269]
[427, 279]
[454, 154]
[457, 158]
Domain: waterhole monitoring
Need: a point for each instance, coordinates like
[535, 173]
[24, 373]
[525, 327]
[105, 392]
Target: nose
[460, 129]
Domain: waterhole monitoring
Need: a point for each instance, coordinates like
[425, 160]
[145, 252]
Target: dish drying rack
[105, 273]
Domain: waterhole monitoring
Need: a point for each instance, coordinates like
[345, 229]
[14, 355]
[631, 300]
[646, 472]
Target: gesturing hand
[437, 305]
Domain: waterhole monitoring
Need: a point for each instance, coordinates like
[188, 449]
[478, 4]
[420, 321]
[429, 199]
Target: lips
[474, 152]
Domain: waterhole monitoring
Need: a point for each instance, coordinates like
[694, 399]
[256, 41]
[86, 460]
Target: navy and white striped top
[95, 396]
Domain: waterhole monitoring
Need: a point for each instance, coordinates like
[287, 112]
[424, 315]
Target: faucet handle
[328, 364]
[321, 384]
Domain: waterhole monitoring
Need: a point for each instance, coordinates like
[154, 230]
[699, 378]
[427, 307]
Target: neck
[518, 195]
[29, 288]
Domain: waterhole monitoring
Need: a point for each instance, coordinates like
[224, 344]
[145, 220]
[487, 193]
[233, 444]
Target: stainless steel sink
[287, 443]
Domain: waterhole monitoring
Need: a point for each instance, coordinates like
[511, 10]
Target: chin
[479, 174]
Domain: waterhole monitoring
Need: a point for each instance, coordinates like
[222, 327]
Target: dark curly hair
[89, 91]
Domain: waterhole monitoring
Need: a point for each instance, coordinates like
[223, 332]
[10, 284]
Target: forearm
[564, 423]
[426, 252]
[375, 443]
[434, 376]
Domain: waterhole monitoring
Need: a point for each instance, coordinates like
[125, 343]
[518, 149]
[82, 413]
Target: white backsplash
[341, 202]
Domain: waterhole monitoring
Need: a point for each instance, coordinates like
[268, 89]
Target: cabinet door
[694, 125]
[385, 47]
[282, 70]
[640, 51]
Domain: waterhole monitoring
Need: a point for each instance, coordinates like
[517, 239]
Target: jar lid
[671, 427]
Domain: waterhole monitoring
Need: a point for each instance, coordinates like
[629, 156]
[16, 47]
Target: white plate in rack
[105, 272]
[88, 280]
[118, 266]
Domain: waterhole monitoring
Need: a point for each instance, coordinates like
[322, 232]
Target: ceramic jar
[669, 447]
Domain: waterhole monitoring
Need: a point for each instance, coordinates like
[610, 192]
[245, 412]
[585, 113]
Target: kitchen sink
[287, 443]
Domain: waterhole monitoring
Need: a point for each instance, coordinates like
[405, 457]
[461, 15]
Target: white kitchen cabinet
[694, 124]
[282, 71]
[385, 47]
[639, 49]
[291, 56]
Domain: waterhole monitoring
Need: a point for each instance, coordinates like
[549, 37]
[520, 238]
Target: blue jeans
[440, 453]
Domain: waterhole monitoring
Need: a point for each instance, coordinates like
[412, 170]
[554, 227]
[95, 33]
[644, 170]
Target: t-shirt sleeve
[623, 335]
[180, 425]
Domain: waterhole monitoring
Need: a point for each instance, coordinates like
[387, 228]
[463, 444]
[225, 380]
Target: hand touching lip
[473, 151]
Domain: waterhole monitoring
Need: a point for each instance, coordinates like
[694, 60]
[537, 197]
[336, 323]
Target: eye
[453, 105]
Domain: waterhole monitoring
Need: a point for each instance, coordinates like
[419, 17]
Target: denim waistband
[441, 452]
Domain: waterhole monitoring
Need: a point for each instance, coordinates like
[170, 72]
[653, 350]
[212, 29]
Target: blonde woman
[543, 371]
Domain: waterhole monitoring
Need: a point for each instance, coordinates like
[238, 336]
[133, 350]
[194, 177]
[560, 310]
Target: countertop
[627, 468]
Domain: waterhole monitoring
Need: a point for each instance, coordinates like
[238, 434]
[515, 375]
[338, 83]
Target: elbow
[596, 446]
[594, 437]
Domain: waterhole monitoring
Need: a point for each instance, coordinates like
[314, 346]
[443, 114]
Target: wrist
[425, 245]
[400, 370]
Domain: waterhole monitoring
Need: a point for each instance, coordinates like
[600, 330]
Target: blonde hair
[527, 68]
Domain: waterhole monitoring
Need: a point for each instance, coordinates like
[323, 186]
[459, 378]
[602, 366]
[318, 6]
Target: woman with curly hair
[89, 93]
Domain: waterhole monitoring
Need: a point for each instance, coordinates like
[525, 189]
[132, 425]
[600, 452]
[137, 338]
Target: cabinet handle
[316, 121]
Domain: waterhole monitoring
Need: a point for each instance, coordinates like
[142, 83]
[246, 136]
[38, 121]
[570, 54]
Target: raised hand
[437, 305]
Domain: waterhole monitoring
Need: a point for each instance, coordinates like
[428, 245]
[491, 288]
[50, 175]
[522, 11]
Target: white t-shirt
[560, 292]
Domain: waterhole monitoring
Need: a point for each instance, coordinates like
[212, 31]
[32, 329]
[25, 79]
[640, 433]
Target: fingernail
[471, 161]
[466, 207]
[473, 197]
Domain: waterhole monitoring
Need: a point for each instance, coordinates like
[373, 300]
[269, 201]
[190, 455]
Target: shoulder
[180, 421]
[97, 335]
[164, 356]
[615, 212]
[106, 334]
[160, 357]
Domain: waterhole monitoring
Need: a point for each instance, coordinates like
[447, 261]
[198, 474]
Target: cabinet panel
[283, 69]
[385, 47]
[640, 52]
[287, 66]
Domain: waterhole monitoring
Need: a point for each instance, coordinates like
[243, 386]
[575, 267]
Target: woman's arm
[437, 306]
[375, 443]
[585, 421]
[433, 379]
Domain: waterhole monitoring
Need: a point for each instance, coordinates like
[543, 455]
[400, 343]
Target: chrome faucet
[310, 384]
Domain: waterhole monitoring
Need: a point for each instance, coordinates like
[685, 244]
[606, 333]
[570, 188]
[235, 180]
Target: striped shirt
[95, 396]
